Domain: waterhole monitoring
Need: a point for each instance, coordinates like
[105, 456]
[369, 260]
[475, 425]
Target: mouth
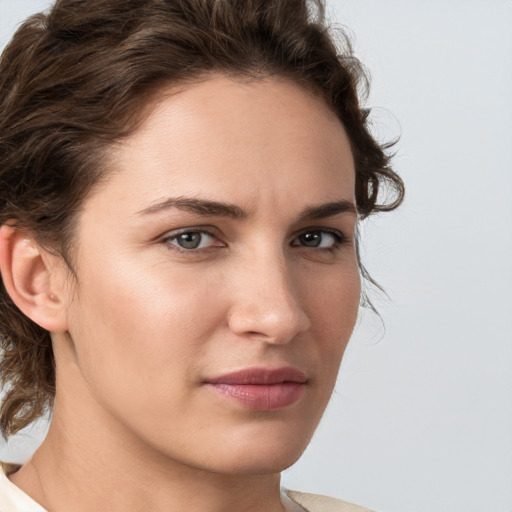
[261, 389]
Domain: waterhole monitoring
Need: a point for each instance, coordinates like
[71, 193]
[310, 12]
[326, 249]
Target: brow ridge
[199, 206]
[221, 209]
[329, 209]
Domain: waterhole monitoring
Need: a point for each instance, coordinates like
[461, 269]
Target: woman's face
[217, 280]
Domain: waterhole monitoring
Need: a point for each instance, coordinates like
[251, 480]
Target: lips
[261, 389]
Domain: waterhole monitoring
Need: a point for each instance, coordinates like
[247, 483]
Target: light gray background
[421, 419]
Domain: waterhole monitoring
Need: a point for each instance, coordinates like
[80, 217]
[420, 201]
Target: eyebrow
[199, 206]
[329, 209]
[220, 209]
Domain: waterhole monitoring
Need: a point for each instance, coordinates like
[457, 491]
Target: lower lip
[262, 397]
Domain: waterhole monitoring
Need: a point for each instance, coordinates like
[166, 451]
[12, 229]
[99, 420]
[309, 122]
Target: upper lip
[261, 376]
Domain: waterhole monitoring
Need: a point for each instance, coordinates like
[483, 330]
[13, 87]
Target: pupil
[311, 239]
[189, 240]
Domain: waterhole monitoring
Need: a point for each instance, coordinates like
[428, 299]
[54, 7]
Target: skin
[146, 322]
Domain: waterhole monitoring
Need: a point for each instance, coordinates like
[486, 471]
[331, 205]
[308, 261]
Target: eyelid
[340, 238]
[207, 229]
[338, 235]
[170, 235]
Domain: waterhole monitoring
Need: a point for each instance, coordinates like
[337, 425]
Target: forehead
[231, 139]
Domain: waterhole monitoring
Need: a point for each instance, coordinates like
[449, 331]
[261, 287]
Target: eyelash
[168, 238]
[339, 239]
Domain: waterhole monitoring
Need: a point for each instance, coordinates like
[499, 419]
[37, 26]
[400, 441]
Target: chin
[258, 457]
[249, 464]
[273, 464]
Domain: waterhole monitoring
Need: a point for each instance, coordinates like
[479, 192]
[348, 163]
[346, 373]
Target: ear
[30, 276]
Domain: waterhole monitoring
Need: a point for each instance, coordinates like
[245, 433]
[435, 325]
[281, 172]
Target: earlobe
[28, 279]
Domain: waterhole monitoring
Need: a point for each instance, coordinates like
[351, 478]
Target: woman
[180, 186]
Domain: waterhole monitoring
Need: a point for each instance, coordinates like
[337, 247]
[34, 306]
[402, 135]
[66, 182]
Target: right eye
[191, 240]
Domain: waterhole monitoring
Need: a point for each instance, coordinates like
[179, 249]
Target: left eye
[319, 239]
[192, 240]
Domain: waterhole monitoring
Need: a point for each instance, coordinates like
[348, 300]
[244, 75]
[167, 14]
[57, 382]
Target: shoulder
[319, 503]
[7, 468]
[12, 498]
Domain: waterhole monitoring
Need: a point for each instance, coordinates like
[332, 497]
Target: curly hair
[78, 78]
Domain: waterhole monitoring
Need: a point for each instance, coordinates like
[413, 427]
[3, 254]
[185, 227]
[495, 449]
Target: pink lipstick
[261, 389]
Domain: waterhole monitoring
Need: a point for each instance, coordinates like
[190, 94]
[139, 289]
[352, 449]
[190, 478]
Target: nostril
[269, 322]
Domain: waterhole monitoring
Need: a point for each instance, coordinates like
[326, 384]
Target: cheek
[334, 302]
[132, 324]
[334, 308]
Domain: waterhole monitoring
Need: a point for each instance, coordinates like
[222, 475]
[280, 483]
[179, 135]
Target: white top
[13, 499]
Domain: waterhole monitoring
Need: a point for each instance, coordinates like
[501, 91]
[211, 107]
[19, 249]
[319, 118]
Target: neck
[61, 476]
[89, 463]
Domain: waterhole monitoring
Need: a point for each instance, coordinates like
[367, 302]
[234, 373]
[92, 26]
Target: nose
[266, 304]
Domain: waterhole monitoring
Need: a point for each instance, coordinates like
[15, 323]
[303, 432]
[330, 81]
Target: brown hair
[78, 78]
